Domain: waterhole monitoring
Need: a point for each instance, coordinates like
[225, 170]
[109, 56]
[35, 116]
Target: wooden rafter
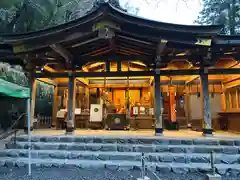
[129, 52]
[101, 53]
[123, 53]
[96, 51]
[192, 78]
[133, 50]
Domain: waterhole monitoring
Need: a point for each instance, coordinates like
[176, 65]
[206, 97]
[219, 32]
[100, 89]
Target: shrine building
[115, 71]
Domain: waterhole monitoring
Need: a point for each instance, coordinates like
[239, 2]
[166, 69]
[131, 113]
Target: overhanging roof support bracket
[159, 53]
[62, 52]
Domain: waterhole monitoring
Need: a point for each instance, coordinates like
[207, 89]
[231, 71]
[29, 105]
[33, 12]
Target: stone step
[126, 147]
[122, 165]
[133, 140]
[130, 156]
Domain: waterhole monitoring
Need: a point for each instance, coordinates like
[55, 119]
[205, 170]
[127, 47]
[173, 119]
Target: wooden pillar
[87, 96]
[151, 95]
[223, 99]
[237, 103]
[74, 97]
[33, 86]
[158, 105]
[78, 95]
[71, 104]
[107, 66]
[66, 98]
[55, 106]
[187, 106]
[207, 119]
[230, 100]
[119, 66]
[172, 104]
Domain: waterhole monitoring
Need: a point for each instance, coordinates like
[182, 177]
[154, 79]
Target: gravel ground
[80, 174]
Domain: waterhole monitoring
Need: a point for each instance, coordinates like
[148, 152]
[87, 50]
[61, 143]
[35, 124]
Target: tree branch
[159, 1]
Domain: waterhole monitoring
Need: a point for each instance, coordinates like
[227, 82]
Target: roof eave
[106, 9]
[206, 30]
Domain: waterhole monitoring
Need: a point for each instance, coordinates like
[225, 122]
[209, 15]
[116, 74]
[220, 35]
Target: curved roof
[105, 10]
[132, 38]
[227, 40]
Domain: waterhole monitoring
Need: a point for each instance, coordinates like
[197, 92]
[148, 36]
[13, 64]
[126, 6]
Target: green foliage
[9, 3]
[44, 92]
[13, 75]
[225, 12]
[32, 15]
[19, 16]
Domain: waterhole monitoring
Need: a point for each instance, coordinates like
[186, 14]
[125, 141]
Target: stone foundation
[162, 154]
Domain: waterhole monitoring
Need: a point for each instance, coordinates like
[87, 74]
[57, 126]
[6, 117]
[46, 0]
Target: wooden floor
[140, 133]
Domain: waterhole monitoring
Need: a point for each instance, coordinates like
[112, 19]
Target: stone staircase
[124, 153]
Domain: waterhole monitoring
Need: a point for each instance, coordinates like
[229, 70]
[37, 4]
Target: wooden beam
[148, 59]
[127, 51]
[224, 71]
[132, 50]
[51, 70]
[119, 74]
[83, 80]
[118, 85]
[232, 78]
[121, 78]
[226, 63]
[232, 84]
[134, 40]
[94, 74]
[85, 42]
[96, 51]
[101, 58]
[136, 73]
[189, 80]
[101, 53]
[48, 81]
[58, 48]
[196, 89]
[234, 64]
